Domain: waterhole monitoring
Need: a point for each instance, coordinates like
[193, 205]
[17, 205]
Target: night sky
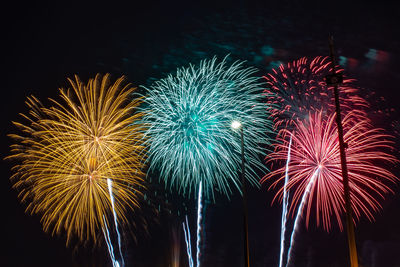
[43, 44]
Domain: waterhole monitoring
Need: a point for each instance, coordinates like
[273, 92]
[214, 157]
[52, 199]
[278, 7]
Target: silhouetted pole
[245, 212]
[334, 80]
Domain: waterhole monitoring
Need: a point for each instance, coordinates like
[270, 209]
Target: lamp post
[334, 80]
[238, 126]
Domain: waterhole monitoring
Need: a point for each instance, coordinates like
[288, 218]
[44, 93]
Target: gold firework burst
[67, 152]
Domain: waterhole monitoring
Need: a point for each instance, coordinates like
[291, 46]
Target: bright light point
[320, 166]
[236, 124]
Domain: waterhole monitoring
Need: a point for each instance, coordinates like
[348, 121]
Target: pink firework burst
[299, 86]
[315, 146]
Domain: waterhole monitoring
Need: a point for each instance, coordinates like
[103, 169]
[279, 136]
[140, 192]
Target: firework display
[298, 86]
[80, 161]
[310, 182]
[189, 116]
[315, 147]
[201, 134]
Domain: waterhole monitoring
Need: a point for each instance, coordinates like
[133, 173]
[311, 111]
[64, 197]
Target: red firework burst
[299, 86]
[315, 146]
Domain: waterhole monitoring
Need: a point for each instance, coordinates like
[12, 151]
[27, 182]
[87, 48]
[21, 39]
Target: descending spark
[284, 205]
[109, 183]
[109, 244]
[186, 230]
[300, 211]
[199, 216]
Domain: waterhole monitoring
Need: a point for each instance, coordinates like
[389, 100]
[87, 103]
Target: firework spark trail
[199, 217]
[300, 211]
[109, 244]
[186, 230]
[284, 206]
[109, 183]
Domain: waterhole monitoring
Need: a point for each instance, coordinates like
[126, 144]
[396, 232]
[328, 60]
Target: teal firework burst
[189, 116]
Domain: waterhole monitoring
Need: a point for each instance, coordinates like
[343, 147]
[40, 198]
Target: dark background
[45, 43]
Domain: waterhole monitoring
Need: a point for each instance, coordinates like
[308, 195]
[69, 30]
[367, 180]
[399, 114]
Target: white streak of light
[109, 183]
[109, 244]
[188, 242]
[284, 205]
[300, 211]
[199, 216]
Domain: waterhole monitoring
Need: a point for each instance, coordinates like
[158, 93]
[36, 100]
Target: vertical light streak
[300, 211]
[284, 205]
[186, 230]
[109, 183]
[109, 244]
[176, 248]
[199, 217]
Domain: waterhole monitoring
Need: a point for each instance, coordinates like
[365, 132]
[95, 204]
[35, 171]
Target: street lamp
[237, 125]
[335, 80]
